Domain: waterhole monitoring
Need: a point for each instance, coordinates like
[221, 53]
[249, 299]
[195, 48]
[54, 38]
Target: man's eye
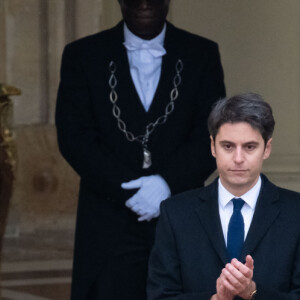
[250, 147]
[227, 146]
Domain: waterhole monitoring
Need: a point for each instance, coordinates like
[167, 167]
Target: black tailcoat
[92, 143]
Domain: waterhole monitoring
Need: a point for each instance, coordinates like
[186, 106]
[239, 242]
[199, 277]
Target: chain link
[113, 97]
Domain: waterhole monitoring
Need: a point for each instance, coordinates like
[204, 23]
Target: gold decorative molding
[7, 154]
[7, 147]
[7, 90]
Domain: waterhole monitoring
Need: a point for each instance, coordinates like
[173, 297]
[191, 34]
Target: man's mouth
[144, 16]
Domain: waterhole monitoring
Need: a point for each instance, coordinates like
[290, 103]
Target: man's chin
[146, 30]
[237, 180]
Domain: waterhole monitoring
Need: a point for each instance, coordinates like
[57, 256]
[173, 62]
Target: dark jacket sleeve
[165, 278]
[193, 158]
[78, 138]
[264, 292]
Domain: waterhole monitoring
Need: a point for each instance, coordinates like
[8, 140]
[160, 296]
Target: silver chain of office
[143, 139]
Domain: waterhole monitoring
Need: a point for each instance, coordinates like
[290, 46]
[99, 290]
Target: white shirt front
[226, 206]
[145, 68]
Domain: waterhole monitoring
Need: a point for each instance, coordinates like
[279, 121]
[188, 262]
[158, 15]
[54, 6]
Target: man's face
[239, 151]
[145, 18]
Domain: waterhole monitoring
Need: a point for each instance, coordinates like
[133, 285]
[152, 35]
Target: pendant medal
[147, 159]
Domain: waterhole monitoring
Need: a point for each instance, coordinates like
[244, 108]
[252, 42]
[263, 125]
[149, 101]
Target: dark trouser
[123, 275]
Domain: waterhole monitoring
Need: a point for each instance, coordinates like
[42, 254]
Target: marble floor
[37, 266]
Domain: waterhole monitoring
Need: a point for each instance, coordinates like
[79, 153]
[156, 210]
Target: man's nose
[146, 3]
[238, 155]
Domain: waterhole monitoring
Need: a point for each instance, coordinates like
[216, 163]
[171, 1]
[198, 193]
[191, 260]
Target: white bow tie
[155, 50]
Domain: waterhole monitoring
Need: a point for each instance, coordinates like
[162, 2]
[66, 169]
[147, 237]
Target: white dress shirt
[226, 206]
[145, 65]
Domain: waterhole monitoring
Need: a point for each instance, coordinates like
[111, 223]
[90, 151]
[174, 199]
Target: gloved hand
[145, 202]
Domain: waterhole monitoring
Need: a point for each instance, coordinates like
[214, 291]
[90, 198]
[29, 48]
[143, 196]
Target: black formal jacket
[189, 252]
[94, 146]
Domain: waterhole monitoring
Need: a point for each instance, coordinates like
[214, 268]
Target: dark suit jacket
[189, 251]
[91, 142]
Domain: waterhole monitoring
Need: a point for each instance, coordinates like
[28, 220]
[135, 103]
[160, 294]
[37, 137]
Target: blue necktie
[235, 234]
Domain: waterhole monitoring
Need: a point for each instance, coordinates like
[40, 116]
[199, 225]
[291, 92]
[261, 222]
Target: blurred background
[259, 43]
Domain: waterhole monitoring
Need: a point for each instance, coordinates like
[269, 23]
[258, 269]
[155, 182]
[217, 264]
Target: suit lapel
[266, 211]
[208, 213]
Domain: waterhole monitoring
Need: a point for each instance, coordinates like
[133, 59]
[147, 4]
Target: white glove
[145, 202]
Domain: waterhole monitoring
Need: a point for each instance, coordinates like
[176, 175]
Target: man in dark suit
[131, 120]
[238, 238]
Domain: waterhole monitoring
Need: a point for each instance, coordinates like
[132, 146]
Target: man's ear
[212, 146]
[268, 149]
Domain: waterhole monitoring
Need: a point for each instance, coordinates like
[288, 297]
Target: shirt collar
[250, 197]
[132, 38]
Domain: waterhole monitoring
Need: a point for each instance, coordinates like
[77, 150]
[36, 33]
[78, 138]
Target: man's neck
[155, 36]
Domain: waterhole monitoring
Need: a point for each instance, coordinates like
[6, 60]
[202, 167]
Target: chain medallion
[116, 111]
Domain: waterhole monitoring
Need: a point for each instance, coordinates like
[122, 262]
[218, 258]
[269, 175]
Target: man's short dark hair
[249, 108]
